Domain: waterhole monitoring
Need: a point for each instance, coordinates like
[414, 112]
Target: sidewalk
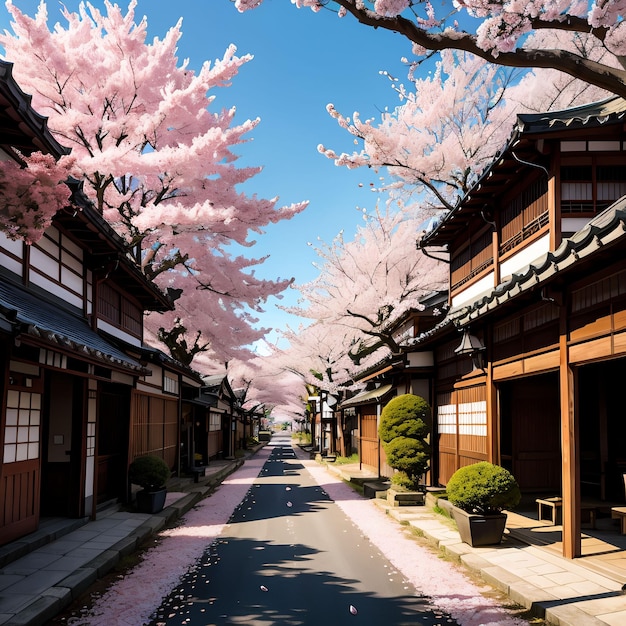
[43, 573]
[527, 566]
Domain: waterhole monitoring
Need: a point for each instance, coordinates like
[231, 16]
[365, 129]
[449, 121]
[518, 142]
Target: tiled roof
[58, 325]
[611, 109]
[367, 397]
[519, 153]
[32, 134]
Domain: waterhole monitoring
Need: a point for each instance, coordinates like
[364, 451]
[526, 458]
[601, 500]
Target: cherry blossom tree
[318, 354]
[497, 30]
[156, 162]
[450, 124]
[447, 127]
[32, 192]
[270, 385]
[366, 284]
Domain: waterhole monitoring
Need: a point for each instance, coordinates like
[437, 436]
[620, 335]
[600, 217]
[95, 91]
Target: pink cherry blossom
[157, 162]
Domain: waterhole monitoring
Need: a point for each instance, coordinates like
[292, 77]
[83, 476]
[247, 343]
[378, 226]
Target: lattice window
[540, 316]
[590, 188]
[611, 185]
[170, 383]
[109, 304]
[473, 418]
[473, 259]
[119, 311]
[215, 421]
[506, 331]
[524, 213]
[601, 291]
[22, 430]
[446, 419]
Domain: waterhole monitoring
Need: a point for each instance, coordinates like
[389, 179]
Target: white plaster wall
[421, 359]
[525, 257]
[117, 332]
[474, 291]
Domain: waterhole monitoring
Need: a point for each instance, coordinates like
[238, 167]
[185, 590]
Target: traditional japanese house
[530, 358]
[164, 402]
[75, 407]
[217, 437]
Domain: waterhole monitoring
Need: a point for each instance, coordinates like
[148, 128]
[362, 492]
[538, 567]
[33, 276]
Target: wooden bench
[619, 513]
[553, 508]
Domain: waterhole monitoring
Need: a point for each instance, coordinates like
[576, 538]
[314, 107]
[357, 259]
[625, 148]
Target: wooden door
[20, 470]
[63, 446]
[530, 425]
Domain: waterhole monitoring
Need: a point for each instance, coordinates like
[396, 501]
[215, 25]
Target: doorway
[112, 442]
[602, 430]
[62, 446]
[530, 443]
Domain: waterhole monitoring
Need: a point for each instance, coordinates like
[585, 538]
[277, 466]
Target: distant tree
[156, 163]
[318, 355]
[366, 284]
[267, 383]
[496, 30]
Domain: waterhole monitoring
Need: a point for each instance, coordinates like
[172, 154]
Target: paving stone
[78, 582]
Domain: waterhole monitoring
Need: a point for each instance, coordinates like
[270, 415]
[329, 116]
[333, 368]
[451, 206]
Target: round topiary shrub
[149, 472]
[403, 429]
[483, 488]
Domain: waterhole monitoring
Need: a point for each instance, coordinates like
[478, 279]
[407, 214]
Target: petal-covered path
[134, 599]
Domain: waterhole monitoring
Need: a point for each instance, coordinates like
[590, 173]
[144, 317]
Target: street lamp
[472, 346]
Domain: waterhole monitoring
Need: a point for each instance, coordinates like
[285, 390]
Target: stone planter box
[405, 498]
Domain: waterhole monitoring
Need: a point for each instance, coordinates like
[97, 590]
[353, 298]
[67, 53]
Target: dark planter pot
[151, 501]
[479, 530]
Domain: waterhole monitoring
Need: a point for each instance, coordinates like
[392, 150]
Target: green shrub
[403, 429]
[404, 416]
[401, 480]
[483, 488]
[149, 472]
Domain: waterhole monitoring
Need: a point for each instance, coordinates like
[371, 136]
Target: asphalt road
[290, 556]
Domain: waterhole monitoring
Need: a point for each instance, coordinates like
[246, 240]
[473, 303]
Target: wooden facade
[80, 394]
[537, 276]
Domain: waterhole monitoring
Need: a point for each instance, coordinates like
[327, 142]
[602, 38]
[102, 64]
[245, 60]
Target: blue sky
[302, 61]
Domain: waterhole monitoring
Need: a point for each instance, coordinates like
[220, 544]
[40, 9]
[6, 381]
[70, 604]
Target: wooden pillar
[570, 480]
[493, 419]
[491, 397]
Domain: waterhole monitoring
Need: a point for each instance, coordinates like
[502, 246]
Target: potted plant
[403, 429]
[479, 494]
[151, 474]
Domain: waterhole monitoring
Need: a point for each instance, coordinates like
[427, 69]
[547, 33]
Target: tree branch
[601, 75]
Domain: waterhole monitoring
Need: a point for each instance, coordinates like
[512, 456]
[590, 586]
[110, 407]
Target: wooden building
[530, 357]
[410, 370]
[80, 393]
